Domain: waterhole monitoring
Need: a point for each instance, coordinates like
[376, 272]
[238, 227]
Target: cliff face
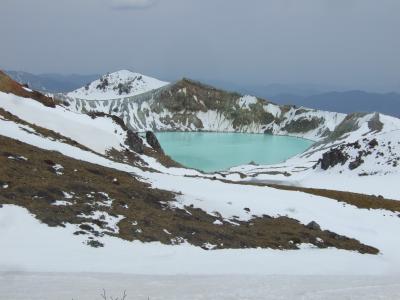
[191, 106]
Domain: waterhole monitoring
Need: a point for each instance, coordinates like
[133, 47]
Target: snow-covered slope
[117, 85]
[365, 158]
[151, 219]
[99, 135]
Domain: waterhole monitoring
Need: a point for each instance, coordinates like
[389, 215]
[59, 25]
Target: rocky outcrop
[153, 141]
[332, 158]
[303, 125]
[134, 141]
[375, 124]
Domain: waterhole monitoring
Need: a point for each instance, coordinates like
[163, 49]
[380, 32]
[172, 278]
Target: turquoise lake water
[209, 152]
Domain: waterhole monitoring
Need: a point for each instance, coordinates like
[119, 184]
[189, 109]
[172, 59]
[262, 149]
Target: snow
[139, 84]
[67, 286]
[104, 217]
[382, 174]
[61, 203]
[25, 241]
[30, 251]
[27, 89]
[246, 101]
[97, 134]
[58, 169]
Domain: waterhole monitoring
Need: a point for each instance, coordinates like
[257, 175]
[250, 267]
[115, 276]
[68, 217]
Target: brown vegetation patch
[7, 85]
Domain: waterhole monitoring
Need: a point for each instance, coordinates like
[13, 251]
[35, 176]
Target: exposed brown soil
[7, 85]
[36, 179]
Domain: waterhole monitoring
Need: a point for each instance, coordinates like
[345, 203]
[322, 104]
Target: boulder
[134, 141]
[332, 158]
[313, 226]
[373, 143]
[356, 163]
[153, 141]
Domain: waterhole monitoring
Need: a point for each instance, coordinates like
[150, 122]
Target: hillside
[96, 188]
[191, 106]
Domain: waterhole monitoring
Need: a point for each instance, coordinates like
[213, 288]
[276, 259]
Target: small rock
[313, 226]
[373, 143]
[95, 244]
[356, 163]
[86, 227]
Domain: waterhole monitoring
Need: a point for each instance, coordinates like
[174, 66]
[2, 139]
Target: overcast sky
[348, 43]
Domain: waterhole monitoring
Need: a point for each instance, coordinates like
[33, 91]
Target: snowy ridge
[116, 85]
[147, 112]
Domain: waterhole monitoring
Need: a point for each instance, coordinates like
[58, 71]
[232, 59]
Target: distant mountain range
[321, 97]
[347, 102]
[300, 95]
[52, 83]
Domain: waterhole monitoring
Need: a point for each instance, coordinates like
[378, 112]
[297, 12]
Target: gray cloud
[350, 43]
[131, 4]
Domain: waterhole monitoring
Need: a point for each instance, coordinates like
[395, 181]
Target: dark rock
[79, 232]
[117, 120]
[374, 124]
[247, 209]
[153, 142]
[373, 143]
[95, 244]
[86, 227]
[303, 124]
[332, 158]
[313, 226]
[356, 163]
[134, 141]
[49, 162]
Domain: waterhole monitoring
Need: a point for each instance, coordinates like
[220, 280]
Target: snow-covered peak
[119, 84]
